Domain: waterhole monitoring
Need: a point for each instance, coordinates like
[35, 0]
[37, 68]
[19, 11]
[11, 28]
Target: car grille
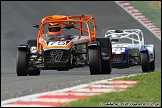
[119, 58]
[56, 56]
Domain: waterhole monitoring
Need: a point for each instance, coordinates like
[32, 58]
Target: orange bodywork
[76, 19]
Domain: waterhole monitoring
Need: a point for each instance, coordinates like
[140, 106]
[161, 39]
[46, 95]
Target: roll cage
[128, 34]
[67, 21]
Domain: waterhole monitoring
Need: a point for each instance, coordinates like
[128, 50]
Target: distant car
[128, 49]
[77, 46]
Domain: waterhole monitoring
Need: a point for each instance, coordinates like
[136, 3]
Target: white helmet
[114, 38]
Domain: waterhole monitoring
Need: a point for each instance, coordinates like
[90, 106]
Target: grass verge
[147, 92]
[149, 10]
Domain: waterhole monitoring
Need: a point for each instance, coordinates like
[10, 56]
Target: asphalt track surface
[17, 19]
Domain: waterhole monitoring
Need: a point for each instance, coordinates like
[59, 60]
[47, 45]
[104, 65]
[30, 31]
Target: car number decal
[57, 43]
[118, 49]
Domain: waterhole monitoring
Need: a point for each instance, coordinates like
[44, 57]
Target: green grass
[148, 90]
[149, 10]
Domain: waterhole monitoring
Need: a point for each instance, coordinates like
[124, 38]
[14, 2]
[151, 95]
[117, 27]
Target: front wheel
[107, 64]
[145, 62]
[94, 61]
[152, 64]
[21, 65]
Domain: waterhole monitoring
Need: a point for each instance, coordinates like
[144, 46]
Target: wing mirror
[36, 26]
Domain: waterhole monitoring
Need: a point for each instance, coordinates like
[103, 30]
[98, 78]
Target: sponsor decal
[56, 55]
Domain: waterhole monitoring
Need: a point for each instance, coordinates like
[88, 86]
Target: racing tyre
[106, 65]
[94, 56]
[21, 65]
[145, 62]
[152, 64]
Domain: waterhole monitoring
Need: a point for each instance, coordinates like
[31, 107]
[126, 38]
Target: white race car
[128, 49]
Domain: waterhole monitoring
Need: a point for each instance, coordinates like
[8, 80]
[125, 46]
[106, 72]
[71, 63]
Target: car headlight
[33, 49]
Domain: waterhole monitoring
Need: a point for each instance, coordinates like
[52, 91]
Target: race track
[17, 19]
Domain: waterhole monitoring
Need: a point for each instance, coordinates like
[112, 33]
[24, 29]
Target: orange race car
[63, 43]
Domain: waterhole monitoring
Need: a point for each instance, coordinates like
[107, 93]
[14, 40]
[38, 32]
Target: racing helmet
[114, 38]
[54, 28]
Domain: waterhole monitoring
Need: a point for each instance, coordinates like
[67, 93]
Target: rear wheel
[21, 65]
[94, 61]
[145, 62]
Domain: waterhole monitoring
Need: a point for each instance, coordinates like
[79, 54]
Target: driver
[55, 33]
[54, 29]
[114, 38]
